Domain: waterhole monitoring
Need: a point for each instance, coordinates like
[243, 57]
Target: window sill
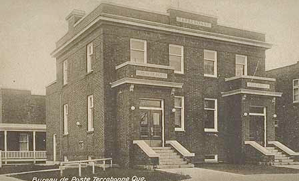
[65, 135]
[90, 72]
[90, 132]
[211, 130]
[179, 130]
[211, 76]
[295, 102]
[178, 73]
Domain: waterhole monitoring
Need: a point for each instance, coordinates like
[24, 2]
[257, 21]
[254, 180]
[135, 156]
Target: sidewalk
[200, 174]
[5, 178]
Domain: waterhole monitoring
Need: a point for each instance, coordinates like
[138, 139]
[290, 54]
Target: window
[65, 72]
[296, 90]
[65, 119]
[210, 106]
[176, 58]
[90, 113]
[211, 158]
[241, 65]
[138, 51]
[89, 54]
[24, 142]
[179, 113]
[210, 63]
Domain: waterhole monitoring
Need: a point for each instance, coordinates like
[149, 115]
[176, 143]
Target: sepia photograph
[149, 90]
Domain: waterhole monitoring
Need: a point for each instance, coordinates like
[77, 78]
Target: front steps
[168, 158]
[281, 158]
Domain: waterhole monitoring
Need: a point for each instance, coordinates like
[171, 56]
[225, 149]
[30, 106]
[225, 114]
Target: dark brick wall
[287, 111]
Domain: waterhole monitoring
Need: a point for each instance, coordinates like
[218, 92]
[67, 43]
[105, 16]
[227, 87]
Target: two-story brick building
[166, 89]
[22, 126]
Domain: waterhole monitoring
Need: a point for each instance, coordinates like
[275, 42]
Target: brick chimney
[74, 17]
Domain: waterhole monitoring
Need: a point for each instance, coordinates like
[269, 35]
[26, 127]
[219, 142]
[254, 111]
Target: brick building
[288, 105]
[137, 85]
[22, 126]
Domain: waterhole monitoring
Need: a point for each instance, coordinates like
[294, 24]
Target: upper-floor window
[138, 51]
[65, 72]
[90, 113]
[296, 90]
[211, 122]
[89, 55]
[241, 65]
[65, 118]
[176, 58]
[210, 63]
[179, 113]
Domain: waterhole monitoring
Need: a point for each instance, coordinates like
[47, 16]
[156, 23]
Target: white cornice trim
[252, 92]
[144, 65]
[168, 28]
[146, 82]
[250, 77]
[22, 127]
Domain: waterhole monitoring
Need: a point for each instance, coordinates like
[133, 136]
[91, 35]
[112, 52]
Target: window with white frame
[65, 72]
[24, 142]
[241, 65]
[296, 90]
[179, 113]
[210, 63]
[210, 107]
[89, 55]
[65, 118]
[138, 51]
[90, 113]
[211, 158]
[176, 58]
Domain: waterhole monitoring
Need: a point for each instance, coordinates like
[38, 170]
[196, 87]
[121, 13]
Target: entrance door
[256, 129]
[257, 125]
[150, 121]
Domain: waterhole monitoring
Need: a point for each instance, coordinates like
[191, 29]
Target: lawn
[23, 168]
[117, 173]
[248, 169]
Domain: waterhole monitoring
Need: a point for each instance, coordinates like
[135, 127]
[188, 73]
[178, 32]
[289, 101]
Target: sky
[30, 28]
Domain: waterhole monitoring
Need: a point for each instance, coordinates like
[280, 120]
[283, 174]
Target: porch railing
[8, 156]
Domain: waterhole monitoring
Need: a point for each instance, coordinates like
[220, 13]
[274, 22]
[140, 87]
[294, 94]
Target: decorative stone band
[146, 82]
[164, 27]
[22, 127]
[250, 77]
[252, 92]
[144, 65]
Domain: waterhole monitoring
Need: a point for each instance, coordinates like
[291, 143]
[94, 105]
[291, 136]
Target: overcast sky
[30, 28]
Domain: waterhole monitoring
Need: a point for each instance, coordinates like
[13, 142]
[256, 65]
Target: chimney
[74, 17]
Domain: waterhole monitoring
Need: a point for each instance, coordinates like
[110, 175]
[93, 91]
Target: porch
[22, 143]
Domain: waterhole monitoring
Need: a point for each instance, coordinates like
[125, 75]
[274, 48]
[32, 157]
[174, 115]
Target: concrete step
[281, 157]
[175, 166]
[161, 148]
[171, 156]
[174, 162]
[167, 153]
[270, 148]
[283, 161]
[164, 151]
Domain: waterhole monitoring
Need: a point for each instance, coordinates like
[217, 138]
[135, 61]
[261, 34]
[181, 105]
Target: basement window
[211, 158]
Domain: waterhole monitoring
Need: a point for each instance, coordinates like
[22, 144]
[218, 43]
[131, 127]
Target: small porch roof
[22, 127]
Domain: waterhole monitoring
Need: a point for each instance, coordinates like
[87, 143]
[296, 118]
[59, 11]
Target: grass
[248, 169]
[23, 168]
[127, 174]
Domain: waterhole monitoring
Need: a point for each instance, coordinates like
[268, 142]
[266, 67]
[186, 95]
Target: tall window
[89, 54]
[24, 142]
[296, 90]
[65, 72]
[210, 63]
[65, 118]
[179, 113]
[90, 113]
[138, 51]
[241, 65]
[176, 58]
[211, 115]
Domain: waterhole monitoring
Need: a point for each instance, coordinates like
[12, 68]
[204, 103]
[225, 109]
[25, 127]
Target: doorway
[257, 125]
[151, 121]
